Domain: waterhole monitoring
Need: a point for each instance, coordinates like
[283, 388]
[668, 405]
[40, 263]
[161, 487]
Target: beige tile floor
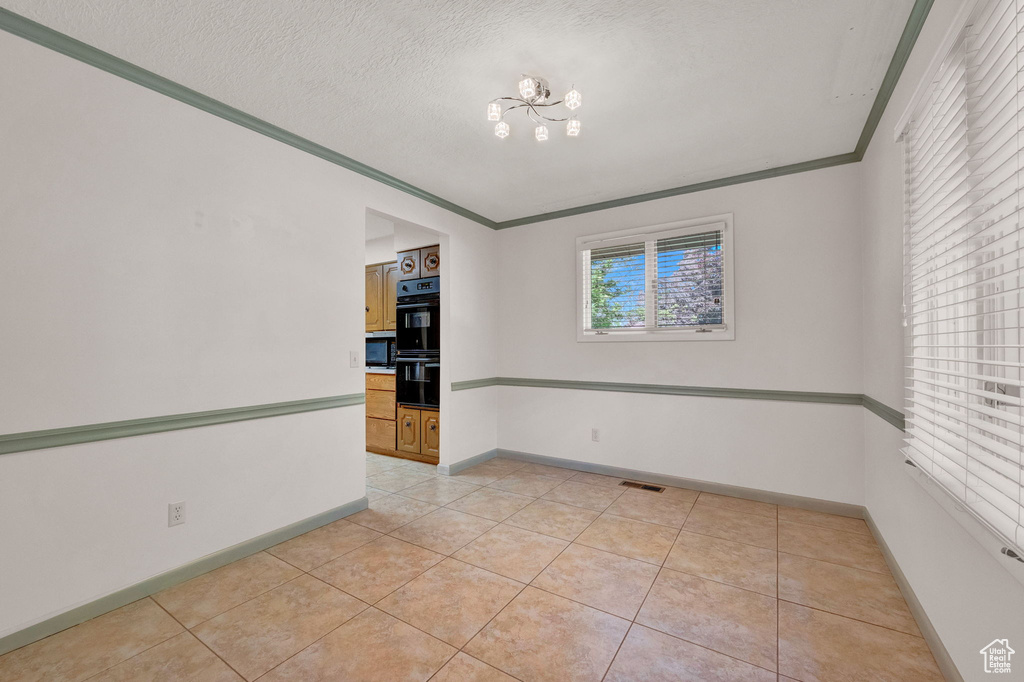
[514, 571]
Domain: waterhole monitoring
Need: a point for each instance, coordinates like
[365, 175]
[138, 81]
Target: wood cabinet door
[391, 275]
[409, 264]
[430, 261]
[430, 430]
[380, 435]
[374, 296]
[408, 430]
[380, 405]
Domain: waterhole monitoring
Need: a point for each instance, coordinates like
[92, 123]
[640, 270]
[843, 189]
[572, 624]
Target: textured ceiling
[675, 91]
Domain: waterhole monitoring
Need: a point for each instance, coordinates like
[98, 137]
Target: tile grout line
[841, 615]
[315, 641]
[834, 530]
[570, 542]
[361, 611]
[629, 629]
[833, 563]
[707, 648]
[374, 604]
[649, 589]
[220, 613]
[139, 653]
[304, 573]
[198, 639]
[719, 537]
[446, 556]
[669, 634]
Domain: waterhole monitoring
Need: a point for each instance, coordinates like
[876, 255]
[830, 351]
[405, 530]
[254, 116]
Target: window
[962, 284]
[658, 283]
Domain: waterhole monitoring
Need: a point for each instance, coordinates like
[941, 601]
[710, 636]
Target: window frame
[727, 332]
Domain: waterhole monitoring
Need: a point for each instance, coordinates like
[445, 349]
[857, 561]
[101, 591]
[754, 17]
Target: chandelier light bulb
[573, 99]
[501, 129]
[493, 111]
[528, 88]
[541, 133]
[572, 128]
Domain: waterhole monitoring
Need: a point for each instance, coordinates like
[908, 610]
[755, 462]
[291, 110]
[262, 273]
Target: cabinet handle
[367, 308]
[408, 423]
[433, 427]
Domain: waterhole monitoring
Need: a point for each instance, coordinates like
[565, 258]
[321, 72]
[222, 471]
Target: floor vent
[642, 486]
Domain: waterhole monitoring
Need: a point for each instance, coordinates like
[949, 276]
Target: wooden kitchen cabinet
[430, 433]
[419, 434]
[380, 404]
[417, 263]
[391, 277]
[381, 295]
[384, 381]
[380, 413]
[430, 261]
[408, 430]
[380, 436]
[374, 298]
[409, 264]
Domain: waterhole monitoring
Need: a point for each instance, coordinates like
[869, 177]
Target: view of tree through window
[617, 296]
[689, 289]
[690, 280]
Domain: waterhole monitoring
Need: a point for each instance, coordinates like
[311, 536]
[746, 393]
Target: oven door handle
[406, 306]
[423, 361]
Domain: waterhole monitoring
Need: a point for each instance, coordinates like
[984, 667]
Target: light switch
[353, 359]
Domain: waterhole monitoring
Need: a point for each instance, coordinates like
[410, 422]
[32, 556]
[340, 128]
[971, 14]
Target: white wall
[380, 250]
[797, 263]
[157, 260]
[964, 584]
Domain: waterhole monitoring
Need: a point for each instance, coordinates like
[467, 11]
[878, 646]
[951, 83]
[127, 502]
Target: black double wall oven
[418, 340]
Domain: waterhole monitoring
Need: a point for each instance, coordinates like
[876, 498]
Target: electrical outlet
[595, 435]
[353, 359]
[175, 514]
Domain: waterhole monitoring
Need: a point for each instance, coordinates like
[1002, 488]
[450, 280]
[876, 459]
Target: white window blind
[962, 265]
[670, 278]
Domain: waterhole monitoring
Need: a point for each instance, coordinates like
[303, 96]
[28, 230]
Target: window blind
[656, 281]
[689, 283]
[962, 266]
[618, 295]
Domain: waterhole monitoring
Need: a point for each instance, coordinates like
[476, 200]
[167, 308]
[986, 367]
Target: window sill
[652, 336]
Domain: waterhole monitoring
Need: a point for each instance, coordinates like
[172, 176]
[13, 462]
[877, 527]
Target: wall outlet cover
[175, 514]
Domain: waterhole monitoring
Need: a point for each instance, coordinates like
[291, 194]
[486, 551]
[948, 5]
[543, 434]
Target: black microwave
[380, 351]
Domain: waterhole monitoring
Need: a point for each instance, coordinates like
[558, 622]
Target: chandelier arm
[525, 103]
[546, 118]
[549, 104]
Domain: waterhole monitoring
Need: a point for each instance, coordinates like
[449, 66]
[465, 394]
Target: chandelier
[534, 94]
